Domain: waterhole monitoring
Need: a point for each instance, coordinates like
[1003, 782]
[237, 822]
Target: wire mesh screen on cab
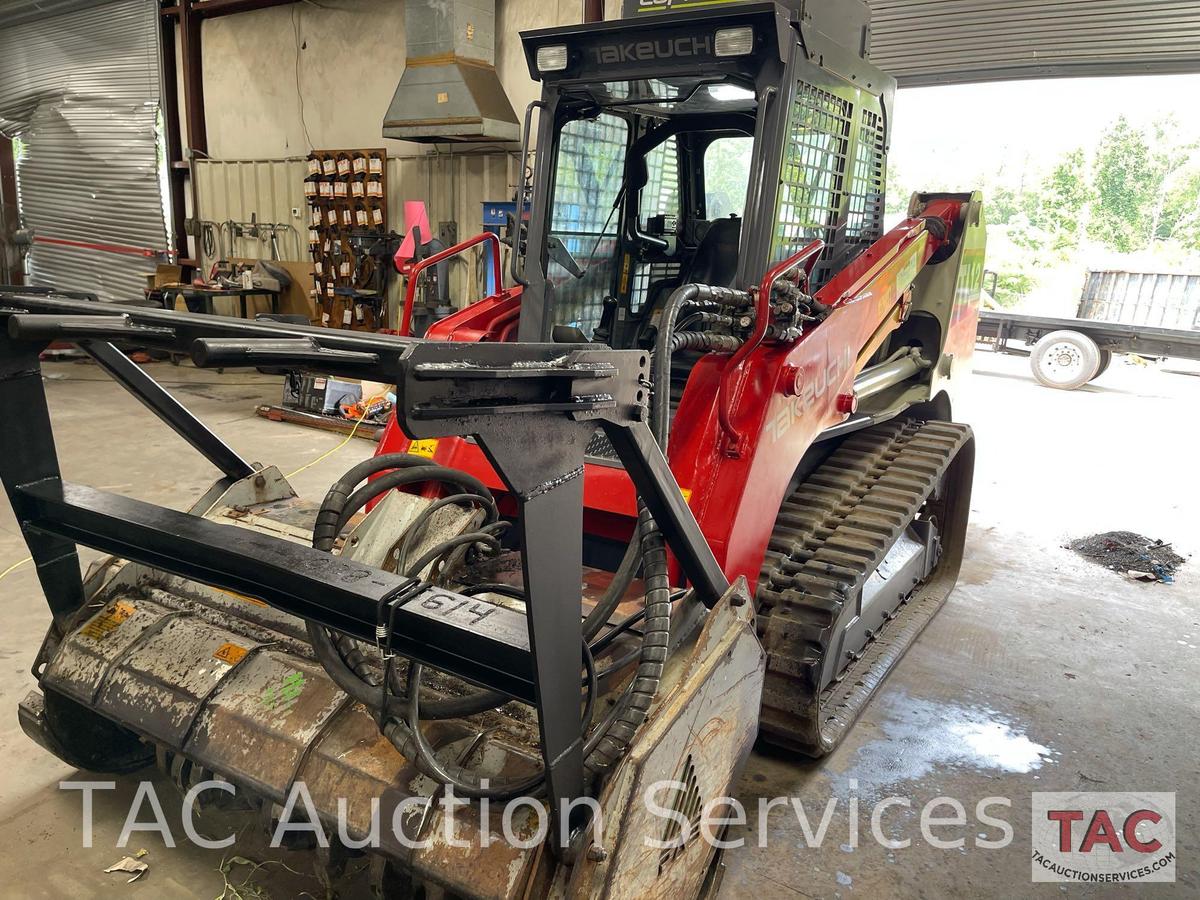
[591, 163]
[832, 179]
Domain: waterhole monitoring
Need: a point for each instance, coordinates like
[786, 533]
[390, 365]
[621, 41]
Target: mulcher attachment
[864, 553]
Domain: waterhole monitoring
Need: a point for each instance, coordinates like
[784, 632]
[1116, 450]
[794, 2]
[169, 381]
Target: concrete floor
[1043, 672]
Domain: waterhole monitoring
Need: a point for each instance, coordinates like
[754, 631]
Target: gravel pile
[1125, 551]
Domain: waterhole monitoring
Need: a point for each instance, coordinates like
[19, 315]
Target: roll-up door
[79, 89]
[922, 42]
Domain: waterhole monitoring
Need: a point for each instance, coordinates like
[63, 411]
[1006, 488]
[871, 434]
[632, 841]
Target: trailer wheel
[1065, 360]
[1106, 358]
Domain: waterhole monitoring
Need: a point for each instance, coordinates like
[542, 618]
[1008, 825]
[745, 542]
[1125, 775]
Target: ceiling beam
[212, 9]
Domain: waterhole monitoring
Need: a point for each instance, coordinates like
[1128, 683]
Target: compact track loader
[691, 482]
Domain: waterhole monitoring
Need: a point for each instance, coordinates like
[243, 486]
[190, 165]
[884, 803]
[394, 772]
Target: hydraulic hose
[630, 711]
[697, 295]
[340, 504]
[704, 340]
[463, 780]
[339, 654]
[611, 598]
[660, 415]
[399, 708]
[418, 528]
[325, 528]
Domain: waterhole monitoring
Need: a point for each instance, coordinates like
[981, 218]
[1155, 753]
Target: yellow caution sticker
[108, 621]
[687, 494]
[230, 653]
[423, 448]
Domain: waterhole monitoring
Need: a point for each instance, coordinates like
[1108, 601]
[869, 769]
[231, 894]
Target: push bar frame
[532, 407]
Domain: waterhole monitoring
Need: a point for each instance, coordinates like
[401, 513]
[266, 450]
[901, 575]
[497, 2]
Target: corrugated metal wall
[923, 42]
[453, 185]
[81, 90]
[14, 12]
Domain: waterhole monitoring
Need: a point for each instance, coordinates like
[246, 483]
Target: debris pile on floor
[1133, 555]
[130, 865]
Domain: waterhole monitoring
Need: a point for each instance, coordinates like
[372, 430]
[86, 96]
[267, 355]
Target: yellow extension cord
[14, 567]
[329, 453]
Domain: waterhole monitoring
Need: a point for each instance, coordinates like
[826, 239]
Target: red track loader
[691, 482]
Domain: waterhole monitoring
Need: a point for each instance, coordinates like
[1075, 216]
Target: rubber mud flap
[88, 740]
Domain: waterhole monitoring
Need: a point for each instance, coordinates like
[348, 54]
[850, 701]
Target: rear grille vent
[864, 224]
[687, 802]
[812, 182]
[832, 182]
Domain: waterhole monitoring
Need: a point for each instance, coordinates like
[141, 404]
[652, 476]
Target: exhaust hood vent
[450, 90]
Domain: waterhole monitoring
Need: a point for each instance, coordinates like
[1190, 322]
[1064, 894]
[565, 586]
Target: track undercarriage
[865, 551]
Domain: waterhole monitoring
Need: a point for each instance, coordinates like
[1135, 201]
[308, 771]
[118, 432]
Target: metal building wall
[81, 90]
[16, 12]
[922, 42]
[453, 185]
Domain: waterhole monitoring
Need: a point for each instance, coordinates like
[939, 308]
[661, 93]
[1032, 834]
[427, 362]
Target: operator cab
[648, 193]
[688, 144]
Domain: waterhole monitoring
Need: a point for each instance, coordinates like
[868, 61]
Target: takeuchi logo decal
[812, 383]
[647, 51]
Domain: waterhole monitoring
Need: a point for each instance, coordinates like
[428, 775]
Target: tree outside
[1130, 199]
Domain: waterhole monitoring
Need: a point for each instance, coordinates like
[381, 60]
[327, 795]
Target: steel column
[28, 456]
[8, 198]
[547, 478]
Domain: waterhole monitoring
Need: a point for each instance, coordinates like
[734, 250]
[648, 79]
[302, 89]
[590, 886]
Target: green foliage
[1126, 179]
[898, 193]
[1141, 188]
[1060, 208]
[1011, 287]
[1180, 219]
[1003, 205]
[726, 175]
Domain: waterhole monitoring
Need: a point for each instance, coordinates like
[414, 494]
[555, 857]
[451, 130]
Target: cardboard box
[163, 275]
[321, 394]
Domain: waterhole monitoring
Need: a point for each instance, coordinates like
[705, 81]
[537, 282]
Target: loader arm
[777, 398]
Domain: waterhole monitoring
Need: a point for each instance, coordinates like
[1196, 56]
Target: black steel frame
[531, 407]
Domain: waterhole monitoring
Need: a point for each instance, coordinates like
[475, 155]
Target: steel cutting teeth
[831, 534]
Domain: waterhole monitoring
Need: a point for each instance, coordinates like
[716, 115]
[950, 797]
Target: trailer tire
[1065, 360]
[1106, 358]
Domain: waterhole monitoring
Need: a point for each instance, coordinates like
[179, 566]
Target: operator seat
[716, 258]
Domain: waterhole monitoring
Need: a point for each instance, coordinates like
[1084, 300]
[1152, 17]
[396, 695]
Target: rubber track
[831, 534]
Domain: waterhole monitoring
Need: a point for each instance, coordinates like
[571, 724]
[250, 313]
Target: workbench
[201, 299]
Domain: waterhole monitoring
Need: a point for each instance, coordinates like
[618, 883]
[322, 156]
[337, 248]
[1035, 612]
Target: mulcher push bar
[532, 408]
